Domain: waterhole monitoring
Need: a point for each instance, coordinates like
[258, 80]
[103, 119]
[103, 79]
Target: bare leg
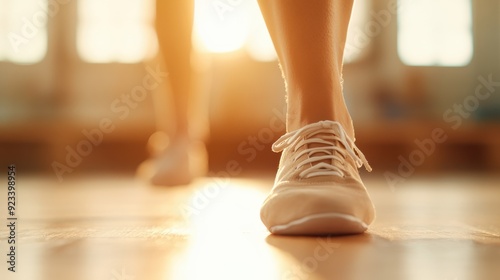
[317, 188]
[185, 156]
[174, 24]
[309, 37]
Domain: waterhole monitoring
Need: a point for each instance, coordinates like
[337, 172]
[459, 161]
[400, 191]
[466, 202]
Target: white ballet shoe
[318, 190]
[178, 164]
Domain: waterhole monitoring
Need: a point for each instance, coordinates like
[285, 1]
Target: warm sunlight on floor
[118, 228]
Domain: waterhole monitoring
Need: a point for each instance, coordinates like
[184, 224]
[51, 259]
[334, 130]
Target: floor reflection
[115, 229]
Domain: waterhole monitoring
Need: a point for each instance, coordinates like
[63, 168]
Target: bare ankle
[300, 117]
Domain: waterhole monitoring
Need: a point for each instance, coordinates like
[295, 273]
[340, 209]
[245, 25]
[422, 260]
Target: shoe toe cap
[289, 203]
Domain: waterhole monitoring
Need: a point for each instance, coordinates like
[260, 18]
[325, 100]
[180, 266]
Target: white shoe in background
[178, 164]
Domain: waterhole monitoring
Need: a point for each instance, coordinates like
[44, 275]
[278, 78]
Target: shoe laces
[325, 133]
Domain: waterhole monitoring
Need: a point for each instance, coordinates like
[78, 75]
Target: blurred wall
[44, 108]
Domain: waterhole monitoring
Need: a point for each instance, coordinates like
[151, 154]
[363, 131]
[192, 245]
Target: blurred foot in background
[178, 153]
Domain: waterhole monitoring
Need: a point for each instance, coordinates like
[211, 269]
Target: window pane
[116, 30]
[23, 30]
[435, 32]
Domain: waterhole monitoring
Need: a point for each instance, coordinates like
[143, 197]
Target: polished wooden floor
[117, 228]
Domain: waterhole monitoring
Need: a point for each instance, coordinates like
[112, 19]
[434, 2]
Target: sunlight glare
[239, 195]
[354, 49]
[223, 26]
[435, 32]
[218, 30]
[229, 226]
[260, 46]
[116, 31]
[23, 31]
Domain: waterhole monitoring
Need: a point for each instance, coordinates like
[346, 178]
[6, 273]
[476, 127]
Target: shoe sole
[322, 224]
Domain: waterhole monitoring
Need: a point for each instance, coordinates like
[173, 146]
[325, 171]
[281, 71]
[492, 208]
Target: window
[23, 30]
[229, 25]
[116, 30]
[435, 32]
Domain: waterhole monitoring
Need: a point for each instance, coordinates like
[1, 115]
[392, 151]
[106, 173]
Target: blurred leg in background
[184, 157]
